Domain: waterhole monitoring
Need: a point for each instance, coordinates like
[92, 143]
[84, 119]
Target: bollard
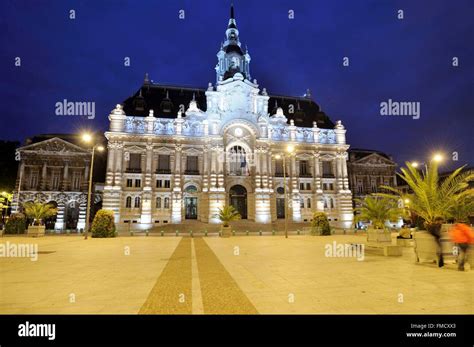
[162, 233]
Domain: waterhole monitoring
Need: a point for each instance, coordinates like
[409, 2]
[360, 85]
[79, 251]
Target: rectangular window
[278, 167]
[163, 163]
[301, 186]
[192, 164]
[373, 185]
[327, 168]
[301, 203]
[304, 168]
[33, 180]
[308, 203]
[167, 183]
[135, 161]
[331, 186]
[55, 181]
[159, 183]
[167, 203]
[308, 186]
[129, 182]
[138, 183]
[76, 181]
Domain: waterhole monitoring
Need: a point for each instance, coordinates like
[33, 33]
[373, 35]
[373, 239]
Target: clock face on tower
[238, 132]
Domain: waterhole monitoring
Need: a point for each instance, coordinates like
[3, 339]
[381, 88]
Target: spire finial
[232, 11]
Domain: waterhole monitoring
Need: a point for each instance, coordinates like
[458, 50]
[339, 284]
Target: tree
[5, 203]
[16, 224]
[432, 199]
[39, 212]
[103, 224]
[378, 210]
[227, 215]
[320, 223]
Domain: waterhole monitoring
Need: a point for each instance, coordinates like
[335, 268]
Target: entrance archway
[190, 202]
[238, 199]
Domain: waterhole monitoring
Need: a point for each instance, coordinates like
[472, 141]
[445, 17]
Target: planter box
[392, 250]
[36, 230]
[379, 236]
[404, 242]
[226, 231]
[426, 247]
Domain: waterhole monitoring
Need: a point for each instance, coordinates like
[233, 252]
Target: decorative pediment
[305, 156]
[135, 149]
[374, 159]
[326, 157]
[164, 150]
[192, 151]
[54, 146]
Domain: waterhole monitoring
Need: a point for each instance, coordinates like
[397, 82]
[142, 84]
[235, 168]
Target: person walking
[463, 236]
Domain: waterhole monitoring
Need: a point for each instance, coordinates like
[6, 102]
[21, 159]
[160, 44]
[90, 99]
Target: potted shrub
[435, 201]
[38, 212]
[103, 224]
[227, 215]
[16, 224]
[378, 210]
[320, 224]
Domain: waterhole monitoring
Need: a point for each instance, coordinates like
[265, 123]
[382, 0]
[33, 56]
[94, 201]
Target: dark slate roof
[165, 100]
[359, 153]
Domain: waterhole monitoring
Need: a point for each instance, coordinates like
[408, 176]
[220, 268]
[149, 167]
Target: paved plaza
[212, 275]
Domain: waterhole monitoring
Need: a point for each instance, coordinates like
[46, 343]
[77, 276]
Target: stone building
[177, 153]
[368, 170]
[53, 169]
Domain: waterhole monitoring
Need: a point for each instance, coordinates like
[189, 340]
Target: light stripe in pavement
[172, 292]
[197, 296]
[220, 293]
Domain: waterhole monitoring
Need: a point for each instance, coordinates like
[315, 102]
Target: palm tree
[434, 200]
[228, 214]
[39, 212]
[378, 210]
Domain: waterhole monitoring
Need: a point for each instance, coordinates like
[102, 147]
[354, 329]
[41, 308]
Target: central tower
[230, 58]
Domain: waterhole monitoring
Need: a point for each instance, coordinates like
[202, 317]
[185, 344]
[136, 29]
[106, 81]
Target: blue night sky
[402, 60]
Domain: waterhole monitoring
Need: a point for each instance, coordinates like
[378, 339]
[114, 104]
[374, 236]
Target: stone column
[339, 178]
[65, 183]
[145, 218]
[59, 225]
[110, 163]
[44, 174]
[118, 164]
[317, 173]
[258, 170]
[205, 169]
[344, 171]
[176, 198]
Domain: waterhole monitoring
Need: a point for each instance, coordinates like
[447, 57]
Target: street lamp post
[88, 138]
[290, 150]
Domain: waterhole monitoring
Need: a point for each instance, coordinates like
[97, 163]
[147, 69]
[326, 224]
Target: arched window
[281, 190]
[308, 203]
[128, 202]
[167, 203]
[191, 189]
[158, 202]
[137, 202]
[238, 162]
